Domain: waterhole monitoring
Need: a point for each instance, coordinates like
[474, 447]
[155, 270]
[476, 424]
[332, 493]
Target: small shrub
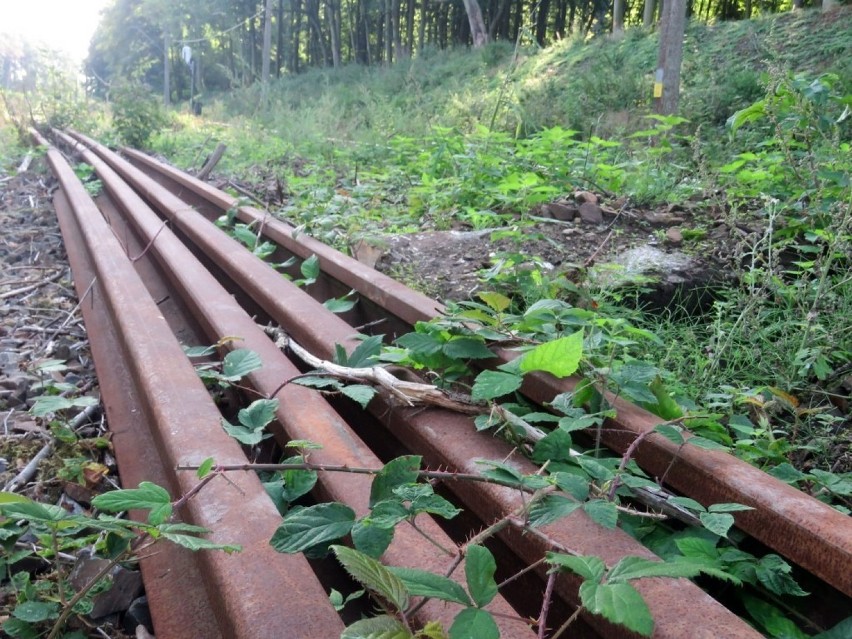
[136, 114]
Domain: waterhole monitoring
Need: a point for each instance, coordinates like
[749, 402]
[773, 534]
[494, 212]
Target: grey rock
[126, 584]
[655, 218]
[562, 211]
[138, 614]
[674, 237]
[591, 213]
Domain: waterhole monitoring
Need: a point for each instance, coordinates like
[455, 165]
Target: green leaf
[706, 444]
[310, 269]
[420, 343]
[638, 567]
[371, 539]
[479, 570]
[373, 576]
[297, 482]
[560, 357]
[51, 404]
[773, 621]
[244, 435]
[36, 611]
[426, 584]
[672, 433]
[496, 301]
[388, 513]
[199, 543]
[688, 503]
[435, 505]
[602, 512]
[619, 603]
[589, 568]
[303, 528]
[383, 627]
[774, 573]
[239, 363]
[397, 472]
[728, 508]
[473, 623]
[339, 304]
[205, 467]
[555, 446]
[32, 511]
[574, 485]
[366, 353]
[787, 473]
[550, 508]
[18, 629]
[467, 348]
[360, 393]
[258, 414]
[493, 384]
[665, 407]
[718, 523]
[147, 497]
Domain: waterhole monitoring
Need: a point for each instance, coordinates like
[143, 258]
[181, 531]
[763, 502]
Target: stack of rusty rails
[302, 413]
[445, 439]
[808, 532]
[161, 415]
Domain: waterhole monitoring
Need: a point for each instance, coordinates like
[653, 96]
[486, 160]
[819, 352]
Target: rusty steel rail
[302, 414]
[805, 530]
[160, 414]
[445, 439]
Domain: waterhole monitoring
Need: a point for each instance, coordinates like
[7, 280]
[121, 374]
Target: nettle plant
[553, 337]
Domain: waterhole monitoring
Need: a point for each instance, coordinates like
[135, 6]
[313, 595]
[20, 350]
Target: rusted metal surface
[244, 590]
[803, 529]
[302, 413]
[396, 298]
[449, 440]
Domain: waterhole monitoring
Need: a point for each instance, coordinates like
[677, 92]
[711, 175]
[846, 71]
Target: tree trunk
[797, 4]
[167, 89]
[617, 17]
[478, 32]
[828, 5]
[425, 12]
[667, 82]
[333, 9]
[648, 13]
[541, 22]
[279, 41]
[267, 51]
[388, 31]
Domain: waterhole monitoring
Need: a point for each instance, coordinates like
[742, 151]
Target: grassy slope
[602, 86]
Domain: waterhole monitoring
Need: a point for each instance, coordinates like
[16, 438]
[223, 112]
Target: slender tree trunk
[267, 52]
[388, 31]
[425, 12]
[648, 13]
[797, 4]
[333, 9]
[617, 17]
[541, 22]
[409, 26]
[828, 5]
[673, 25]
[279, 41]
[167, 89]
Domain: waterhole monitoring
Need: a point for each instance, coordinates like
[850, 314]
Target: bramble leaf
[550, 508]
[373, 576]
[589, 568]
[473, 623]
[602, 512]
[397, 472]
[560, 357]
[303, 528]
[493, 384]
[426, 584]
[239, 363]
[147, 497]
[479, 570]
[383, 627]
[620, 603]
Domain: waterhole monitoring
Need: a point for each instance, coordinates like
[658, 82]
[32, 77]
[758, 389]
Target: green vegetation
[479, 139]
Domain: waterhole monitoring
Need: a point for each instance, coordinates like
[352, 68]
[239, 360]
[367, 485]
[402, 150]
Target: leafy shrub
[136, 114]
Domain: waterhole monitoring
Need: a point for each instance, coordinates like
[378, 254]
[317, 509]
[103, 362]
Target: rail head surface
[811, 533]
[243, 587]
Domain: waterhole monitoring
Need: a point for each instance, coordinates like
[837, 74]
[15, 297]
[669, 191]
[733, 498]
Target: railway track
[159, 274]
